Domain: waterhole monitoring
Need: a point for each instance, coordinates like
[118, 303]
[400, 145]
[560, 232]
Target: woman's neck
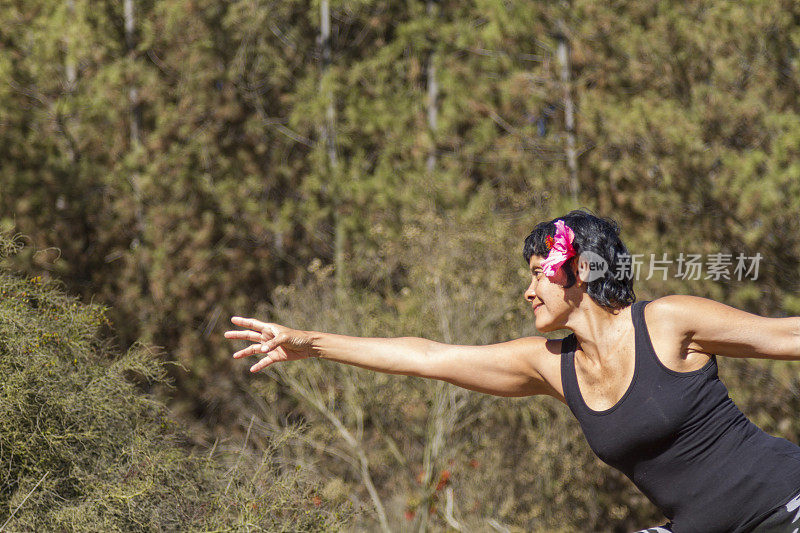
[599, 331]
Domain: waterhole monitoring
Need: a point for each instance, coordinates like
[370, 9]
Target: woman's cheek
[559, 279]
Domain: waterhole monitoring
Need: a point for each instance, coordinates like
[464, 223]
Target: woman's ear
[582, 270]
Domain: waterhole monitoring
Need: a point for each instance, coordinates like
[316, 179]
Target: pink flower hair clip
[560, 246]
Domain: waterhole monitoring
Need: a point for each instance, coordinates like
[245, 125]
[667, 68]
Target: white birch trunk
[569, 111]
[135, 146]
[328, 135]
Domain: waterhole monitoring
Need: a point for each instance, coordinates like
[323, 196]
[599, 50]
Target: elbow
[430, 361]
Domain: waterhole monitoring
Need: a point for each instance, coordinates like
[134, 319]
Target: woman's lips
[537, 306]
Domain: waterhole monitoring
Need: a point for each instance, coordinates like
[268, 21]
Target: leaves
[686, 134]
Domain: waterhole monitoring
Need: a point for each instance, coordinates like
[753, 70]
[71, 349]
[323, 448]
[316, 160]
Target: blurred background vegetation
[366, 168]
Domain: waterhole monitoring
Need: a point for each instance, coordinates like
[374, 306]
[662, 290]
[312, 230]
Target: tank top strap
[569, 379]
[646, 359]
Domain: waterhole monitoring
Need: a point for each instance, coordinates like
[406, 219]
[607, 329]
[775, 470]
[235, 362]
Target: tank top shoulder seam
[654, 356]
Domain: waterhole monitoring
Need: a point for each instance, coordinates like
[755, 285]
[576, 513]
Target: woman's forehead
[536, 261]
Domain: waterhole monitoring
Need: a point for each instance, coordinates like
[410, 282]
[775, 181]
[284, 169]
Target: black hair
[614, 290]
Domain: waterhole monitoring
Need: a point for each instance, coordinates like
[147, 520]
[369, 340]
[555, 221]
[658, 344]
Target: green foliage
[83, 448]
[686, 132]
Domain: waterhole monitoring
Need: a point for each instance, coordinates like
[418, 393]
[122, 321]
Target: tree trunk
[433, 95]
[328, 135]
[71, 73]
[569, 110]
[135, 178]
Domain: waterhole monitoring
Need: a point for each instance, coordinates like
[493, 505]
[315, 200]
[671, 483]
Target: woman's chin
[541, 324]
[544, 325]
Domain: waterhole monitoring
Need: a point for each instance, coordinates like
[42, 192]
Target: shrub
[82, 447]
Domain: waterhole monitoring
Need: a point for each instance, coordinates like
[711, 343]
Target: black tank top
[681, 440]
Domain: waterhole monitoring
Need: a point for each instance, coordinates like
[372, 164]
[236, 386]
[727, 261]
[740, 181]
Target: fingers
[264, 363]
[251, 323]
[273, 357]
[246, 335]
[260, 347]
[250, 350]
[259, 333]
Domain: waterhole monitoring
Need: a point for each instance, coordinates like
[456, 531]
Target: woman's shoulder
[668, 329]
[665, 315]
[550, 366]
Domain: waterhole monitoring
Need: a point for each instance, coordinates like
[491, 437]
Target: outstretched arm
[504, 369]
[716, 328]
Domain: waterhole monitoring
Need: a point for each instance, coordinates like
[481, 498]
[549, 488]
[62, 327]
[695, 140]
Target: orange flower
[548, 241]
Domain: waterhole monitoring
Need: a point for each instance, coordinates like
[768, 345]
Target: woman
[641, 378]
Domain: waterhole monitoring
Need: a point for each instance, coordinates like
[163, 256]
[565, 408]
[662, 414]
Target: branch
[23, 501]
[315, 400]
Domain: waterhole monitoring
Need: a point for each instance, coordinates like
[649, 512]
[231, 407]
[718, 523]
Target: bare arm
[512, 368]
[716, 328]
[401, 355]
[504, 369]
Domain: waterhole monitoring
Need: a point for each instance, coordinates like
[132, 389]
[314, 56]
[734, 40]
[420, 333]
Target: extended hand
[278, 342]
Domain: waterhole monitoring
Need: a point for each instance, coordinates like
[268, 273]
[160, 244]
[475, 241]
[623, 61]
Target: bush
[82, 447]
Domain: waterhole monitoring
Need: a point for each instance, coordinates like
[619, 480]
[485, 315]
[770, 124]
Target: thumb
[273, 343]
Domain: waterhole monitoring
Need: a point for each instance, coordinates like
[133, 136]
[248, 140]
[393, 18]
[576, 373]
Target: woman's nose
[530, 294]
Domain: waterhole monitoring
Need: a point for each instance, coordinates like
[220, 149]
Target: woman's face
[550, 301]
